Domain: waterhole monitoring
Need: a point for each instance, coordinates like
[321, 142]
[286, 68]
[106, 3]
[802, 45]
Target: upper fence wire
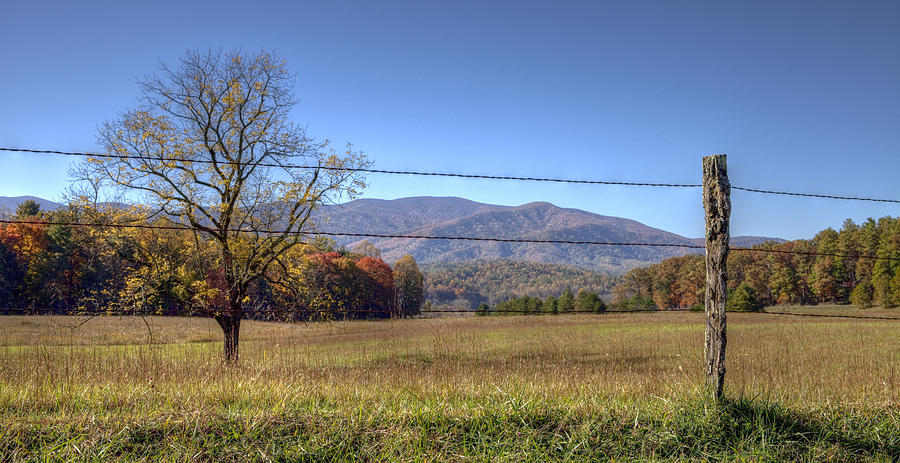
[450, 174]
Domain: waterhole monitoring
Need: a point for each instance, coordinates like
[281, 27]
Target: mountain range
[8, 204]
[451, 216]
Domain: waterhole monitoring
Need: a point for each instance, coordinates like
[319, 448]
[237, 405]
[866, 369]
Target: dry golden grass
[797, 360]
[526, 388]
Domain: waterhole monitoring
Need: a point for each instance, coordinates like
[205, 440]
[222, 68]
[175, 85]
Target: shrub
[482, 310]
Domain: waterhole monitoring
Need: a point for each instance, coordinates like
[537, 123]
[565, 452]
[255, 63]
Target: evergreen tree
[894, 298]
[589, 302]
[549, 306]
[12, 276]
[862, 295]
[743, 299]
[566, 302]
[533, 305]
[28, 208]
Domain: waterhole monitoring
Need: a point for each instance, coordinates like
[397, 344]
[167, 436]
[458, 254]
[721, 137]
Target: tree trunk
[231, 328]
[230, 321]
[717, 204]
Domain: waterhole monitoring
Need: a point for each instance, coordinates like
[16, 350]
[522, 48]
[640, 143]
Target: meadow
[520, 388]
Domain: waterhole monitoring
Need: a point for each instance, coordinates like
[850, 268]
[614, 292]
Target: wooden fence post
[717, 204]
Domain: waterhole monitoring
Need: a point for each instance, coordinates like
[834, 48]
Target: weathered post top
[716, 197]
[717, 204]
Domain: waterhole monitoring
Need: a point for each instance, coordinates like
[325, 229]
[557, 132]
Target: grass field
[564, 388]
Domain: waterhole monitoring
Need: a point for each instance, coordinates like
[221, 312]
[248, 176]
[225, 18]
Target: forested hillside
[784, 278]
[475, 282]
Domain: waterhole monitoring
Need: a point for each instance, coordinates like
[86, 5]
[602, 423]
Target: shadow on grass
[848, 432]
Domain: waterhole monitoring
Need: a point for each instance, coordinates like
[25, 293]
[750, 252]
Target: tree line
[584, 302]
[469, 284]
[757, 279]
[71, 269]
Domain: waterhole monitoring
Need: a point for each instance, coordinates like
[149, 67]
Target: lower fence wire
[321, 316]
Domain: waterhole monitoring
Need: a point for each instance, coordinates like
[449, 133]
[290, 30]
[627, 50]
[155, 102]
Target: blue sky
[802, 96]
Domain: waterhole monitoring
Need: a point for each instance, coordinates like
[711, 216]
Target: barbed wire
[366, 170]
[814, 195]
[306, 312]
[447, 174]
[357, 235]
[385, 314]
[822, 315]
[813, 253]
[450, 238]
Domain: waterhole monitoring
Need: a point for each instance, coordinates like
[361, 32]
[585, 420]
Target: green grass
[494, 427]
[566, 388]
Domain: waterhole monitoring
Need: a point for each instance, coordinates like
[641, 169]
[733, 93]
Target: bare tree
[212, 149]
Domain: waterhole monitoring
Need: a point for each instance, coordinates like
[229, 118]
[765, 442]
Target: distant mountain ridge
[452, 216]
[10, 203]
